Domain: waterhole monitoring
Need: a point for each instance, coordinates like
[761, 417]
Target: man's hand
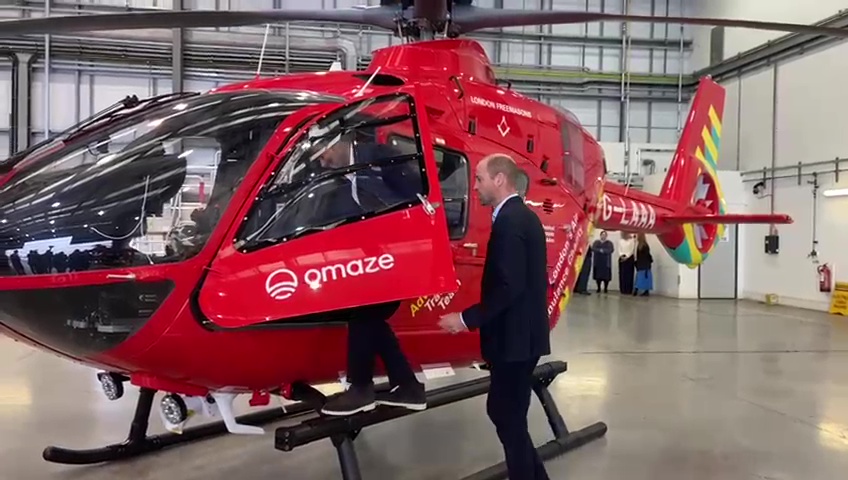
[452, 323]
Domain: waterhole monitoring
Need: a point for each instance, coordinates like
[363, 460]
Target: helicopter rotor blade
[465, 19]
[468, 19]
[380, 16]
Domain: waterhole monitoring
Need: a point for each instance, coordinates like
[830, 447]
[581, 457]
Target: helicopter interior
[345, 167]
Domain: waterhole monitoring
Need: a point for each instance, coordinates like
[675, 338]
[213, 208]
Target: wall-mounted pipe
[774, 104]
[24, 132]
[817, 173]
[680, 78]
[589, 89]
[814, 254]
[768, 174]
[228, 56]
[13, 96]
[624, 135]
[47, 74]
[822, 163]
[247, 40]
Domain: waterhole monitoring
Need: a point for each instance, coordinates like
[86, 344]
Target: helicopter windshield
[144, 190]
[342, 169]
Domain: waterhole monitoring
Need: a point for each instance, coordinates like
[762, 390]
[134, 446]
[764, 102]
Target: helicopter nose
[81, 321]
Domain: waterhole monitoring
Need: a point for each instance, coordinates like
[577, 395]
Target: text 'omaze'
[283, 283]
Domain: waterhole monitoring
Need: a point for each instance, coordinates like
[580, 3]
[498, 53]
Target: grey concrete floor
[690, 390]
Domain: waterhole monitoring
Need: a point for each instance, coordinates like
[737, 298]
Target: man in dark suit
[511, 316]
[369, 333]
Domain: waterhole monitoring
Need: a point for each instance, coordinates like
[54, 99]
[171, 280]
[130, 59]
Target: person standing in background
[582, 285]
[644, 260]
[602, 262]
[626, 263]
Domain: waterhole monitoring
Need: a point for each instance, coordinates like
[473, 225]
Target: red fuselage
[263, 318]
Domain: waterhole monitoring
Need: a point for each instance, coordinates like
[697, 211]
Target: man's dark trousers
[507, 405]
[369, 337]
[514, 328]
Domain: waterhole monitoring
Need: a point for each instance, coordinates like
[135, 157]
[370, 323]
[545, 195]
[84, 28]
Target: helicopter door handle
[121, 276]
[472, 247]
[429, 207]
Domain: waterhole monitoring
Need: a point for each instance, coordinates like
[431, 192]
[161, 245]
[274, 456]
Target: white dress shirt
[627, 248]
[499, 206]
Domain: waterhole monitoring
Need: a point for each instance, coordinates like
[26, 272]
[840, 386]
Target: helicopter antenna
[371, 78]
[262, 52]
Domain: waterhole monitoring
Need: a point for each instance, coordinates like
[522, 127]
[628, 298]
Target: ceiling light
[837, 192]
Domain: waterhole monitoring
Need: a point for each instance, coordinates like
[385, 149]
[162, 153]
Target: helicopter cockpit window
[342, 169]
[145, 189]
[454, 182]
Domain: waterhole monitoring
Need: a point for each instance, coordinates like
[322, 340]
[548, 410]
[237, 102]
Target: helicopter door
[344, 220]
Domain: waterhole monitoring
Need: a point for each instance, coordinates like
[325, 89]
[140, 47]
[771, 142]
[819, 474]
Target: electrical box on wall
[772, 244]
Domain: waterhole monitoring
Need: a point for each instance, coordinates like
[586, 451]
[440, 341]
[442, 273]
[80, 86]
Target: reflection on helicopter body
[65, 258]
[146, 190]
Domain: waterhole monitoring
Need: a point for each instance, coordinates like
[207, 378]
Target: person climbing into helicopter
[369, 333]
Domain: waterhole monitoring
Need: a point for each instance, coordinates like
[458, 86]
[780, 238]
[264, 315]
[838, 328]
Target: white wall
[799, 107]
[660, 153]
[671, 279]
[738, 40]
[738, 201]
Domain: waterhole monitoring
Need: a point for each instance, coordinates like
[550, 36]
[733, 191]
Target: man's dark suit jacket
[512, 313]
[391, 185]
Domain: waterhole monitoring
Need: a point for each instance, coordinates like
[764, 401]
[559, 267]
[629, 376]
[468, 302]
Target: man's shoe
[355, 400]
[412, 397]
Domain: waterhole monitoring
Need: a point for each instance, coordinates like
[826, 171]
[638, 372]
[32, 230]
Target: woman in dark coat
[644, 261]
[602, 269]
[582, 285]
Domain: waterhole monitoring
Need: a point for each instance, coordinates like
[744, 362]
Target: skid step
[342, 431]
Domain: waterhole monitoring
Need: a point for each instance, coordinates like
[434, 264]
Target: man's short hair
[523, 184]
[502, 163]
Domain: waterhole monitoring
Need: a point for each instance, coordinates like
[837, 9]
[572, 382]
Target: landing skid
[139, 443]
[342, 431]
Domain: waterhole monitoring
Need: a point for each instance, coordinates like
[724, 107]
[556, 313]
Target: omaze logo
[283, 283]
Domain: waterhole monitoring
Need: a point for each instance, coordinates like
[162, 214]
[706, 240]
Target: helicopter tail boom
[690, 213]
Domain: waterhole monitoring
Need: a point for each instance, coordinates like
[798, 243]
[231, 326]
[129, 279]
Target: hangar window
[341, 170]
[454, 181]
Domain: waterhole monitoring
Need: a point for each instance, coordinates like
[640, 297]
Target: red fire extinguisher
[825, 278]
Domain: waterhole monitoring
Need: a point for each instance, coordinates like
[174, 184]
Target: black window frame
[269, 186]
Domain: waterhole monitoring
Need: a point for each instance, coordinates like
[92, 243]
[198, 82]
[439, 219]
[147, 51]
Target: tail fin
[692, 182]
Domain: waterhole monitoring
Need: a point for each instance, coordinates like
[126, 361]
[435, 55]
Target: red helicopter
[181, 243]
